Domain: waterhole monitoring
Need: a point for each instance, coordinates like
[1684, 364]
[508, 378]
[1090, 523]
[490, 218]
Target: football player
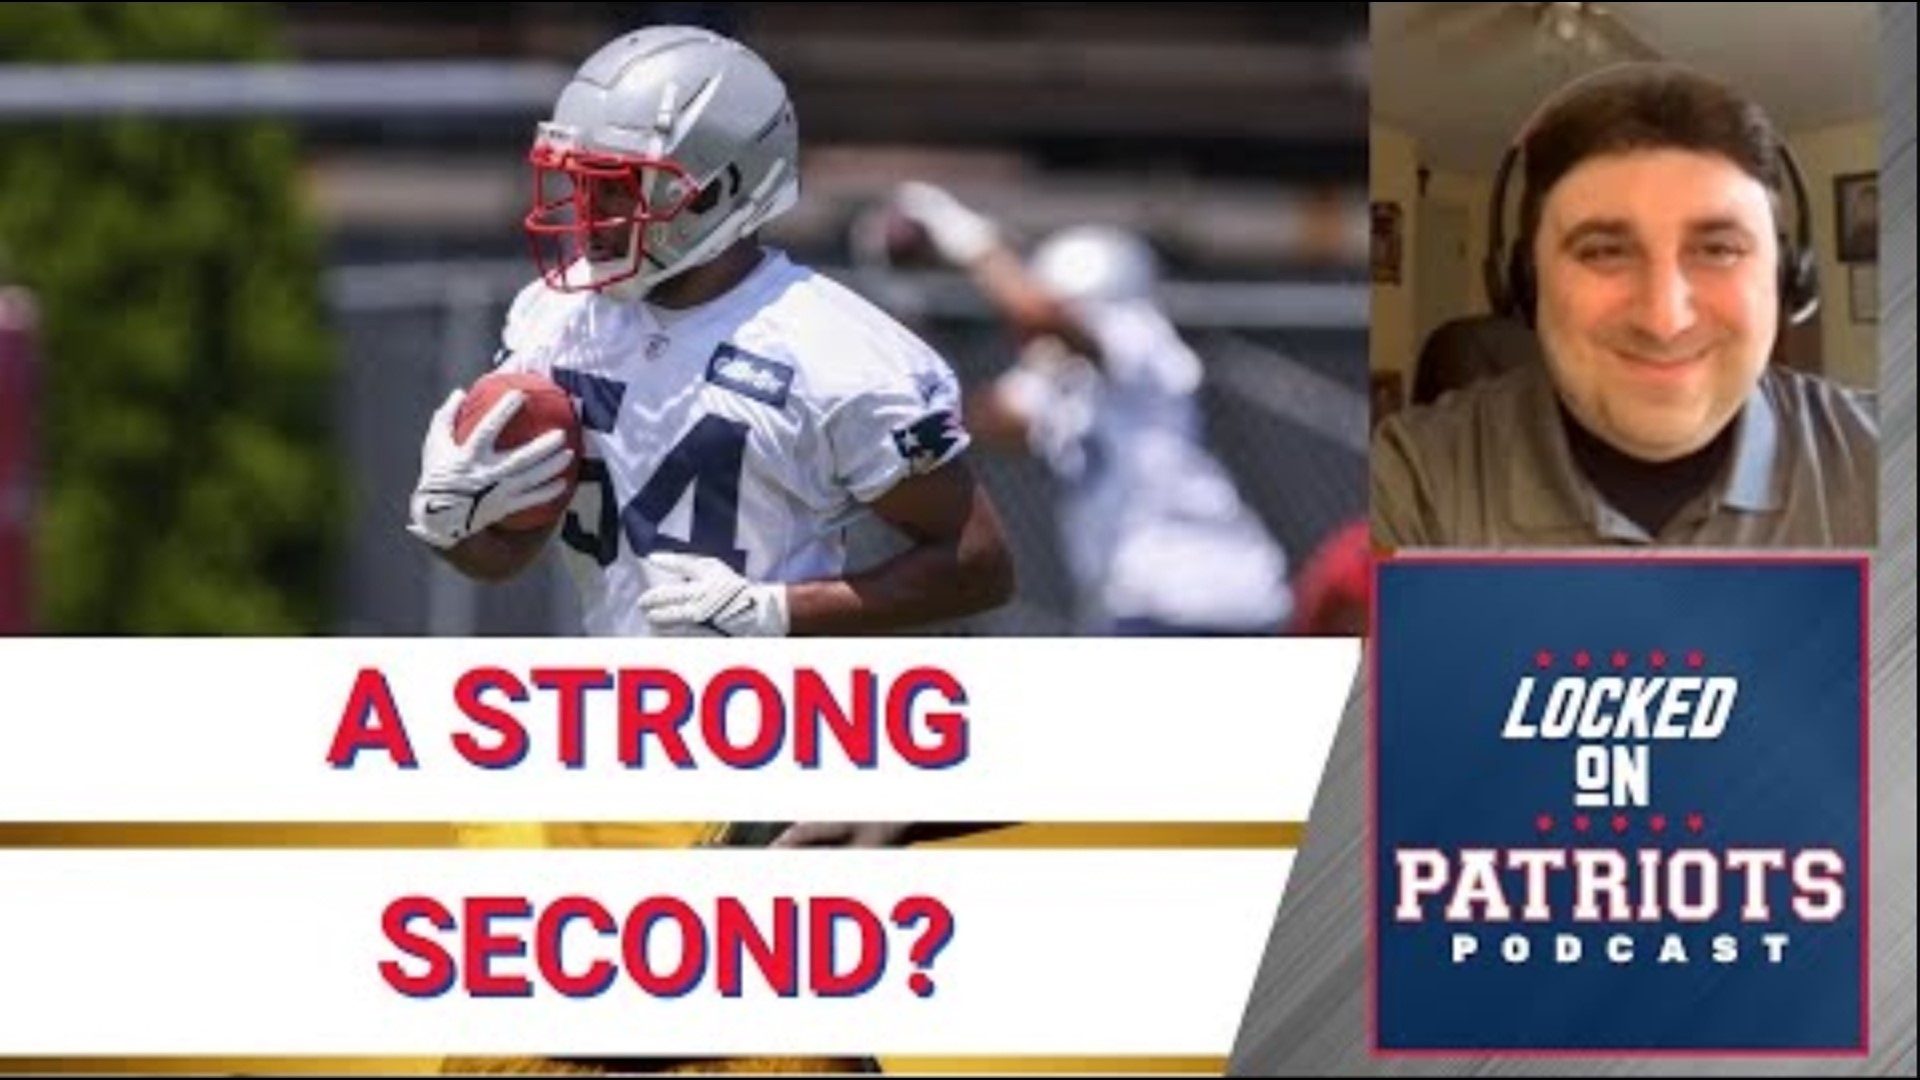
[740, 410]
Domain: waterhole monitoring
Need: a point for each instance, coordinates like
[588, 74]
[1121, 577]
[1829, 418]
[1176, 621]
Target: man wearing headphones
[1654, 263]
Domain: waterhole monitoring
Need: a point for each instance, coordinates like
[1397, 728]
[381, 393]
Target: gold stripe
[223, 835]
[606, 835]
[274, 1066]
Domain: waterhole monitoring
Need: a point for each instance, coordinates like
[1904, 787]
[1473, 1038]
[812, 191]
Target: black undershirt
[1648, 492]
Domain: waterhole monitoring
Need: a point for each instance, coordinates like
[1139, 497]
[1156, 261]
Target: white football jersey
[753, 428]
[1152, 525]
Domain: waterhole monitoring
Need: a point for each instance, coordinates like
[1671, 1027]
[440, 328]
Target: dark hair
[1670, 109]
[1645, 107]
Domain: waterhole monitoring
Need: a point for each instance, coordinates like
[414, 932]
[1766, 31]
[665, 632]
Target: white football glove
[698, 595]
[466, 487]
[961, 235]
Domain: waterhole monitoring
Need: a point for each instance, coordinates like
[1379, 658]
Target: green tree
[190, 482]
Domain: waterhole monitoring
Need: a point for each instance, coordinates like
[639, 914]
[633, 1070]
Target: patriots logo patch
[926, 442]
[757, 377]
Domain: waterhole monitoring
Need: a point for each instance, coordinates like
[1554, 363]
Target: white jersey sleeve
[888, 405]
[895, 428]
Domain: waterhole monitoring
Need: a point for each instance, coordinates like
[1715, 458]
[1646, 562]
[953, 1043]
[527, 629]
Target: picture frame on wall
[1856, 212]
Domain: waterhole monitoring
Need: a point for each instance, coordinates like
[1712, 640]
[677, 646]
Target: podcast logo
[1618, 806]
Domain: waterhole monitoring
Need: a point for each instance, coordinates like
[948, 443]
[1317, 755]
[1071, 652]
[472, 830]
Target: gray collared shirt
[1489, 467]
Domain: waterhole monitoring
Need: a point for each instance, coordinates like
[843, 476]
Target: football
[885, 238]
[906, 240]
[546, 408]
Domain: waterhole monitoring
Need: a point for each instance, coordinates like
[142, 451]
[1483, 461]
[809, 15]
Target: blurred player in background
[740, 410]
[1152, 528]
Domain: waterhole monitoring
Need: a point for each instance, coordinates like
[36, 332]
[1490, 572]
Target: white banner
[938, 729]
[631, 952]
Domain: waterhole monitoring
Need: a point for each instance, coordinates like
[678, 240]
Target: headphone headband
[1508, 274]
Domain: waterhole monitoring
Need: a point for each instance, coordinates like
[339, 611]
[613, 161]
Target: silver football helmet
[1097, 263]
[669, 144]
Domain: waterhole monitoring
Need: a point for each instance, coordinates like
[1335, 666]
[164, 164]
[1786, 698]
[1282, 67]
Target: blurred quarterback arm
[970, 241]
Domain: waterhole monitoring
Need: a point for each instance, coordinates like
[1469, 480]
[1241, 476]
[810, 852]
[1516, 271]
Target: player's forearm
[495, 554]
[1033, 311]
[921, 585]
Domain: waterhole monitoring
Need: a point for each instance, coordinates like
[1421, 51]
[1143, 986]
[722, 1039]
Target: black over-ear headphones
[1508, 270]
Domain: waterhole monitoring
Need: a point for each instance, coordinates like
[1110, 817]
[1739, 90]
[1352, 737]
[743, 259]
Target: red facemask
[596, 208]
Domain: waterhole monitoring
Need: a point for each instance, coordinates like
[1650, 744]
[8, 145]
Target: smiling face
[1658, 298]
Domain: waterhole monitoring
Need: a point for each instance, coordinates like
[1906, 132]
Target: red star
[1544, 823]
[1696, 821]
[1619, 823]
[1657, 659]
[1581, 659]
[1694, 659]
[1620, 658]
[1581, 823]
[1658, 823]
[1543, 659]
